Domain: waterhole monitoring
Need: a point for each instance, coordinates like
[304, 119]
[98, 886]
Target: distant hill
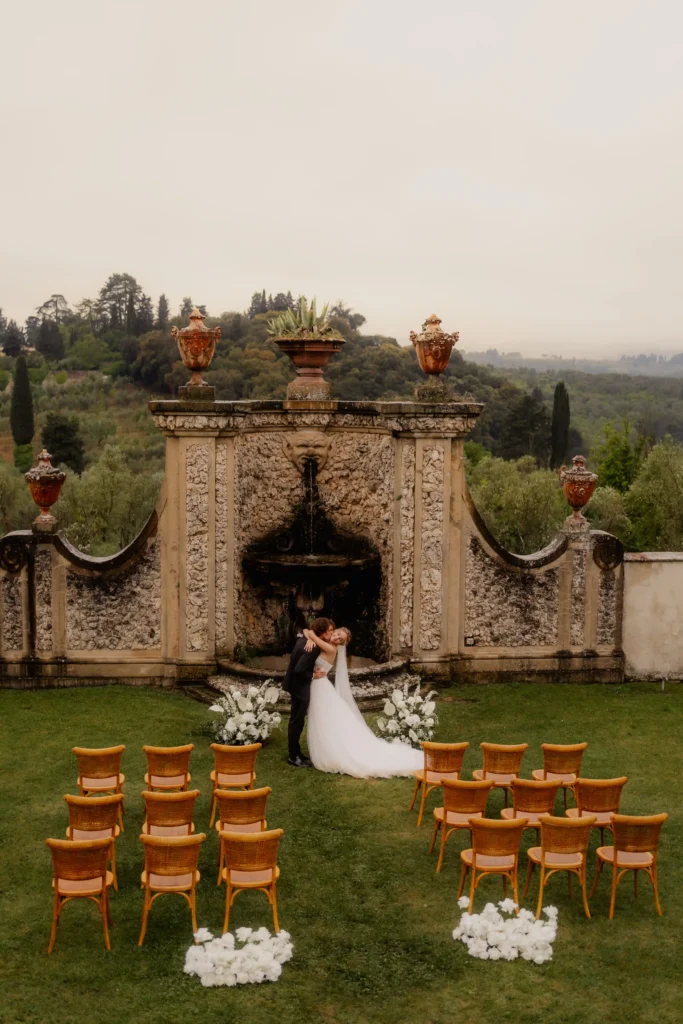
[651, 365]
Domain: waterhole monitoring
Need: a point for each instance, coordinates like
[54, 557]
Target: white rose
[252, 691]
[397, 697]
[216, 707]
[389, 708]
[429, 707]
[412, 735]
[243, 704]
[392, 726]
[271, 695]
[429, 722]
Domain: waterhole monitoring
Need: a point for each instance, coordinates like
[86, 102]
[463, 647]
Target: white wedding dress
[338, 738]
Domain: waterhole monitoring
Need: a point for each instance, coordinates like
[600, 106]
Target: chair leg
[120, 816]
[597, 875]
[213, 807]
[472, 888]
[228, 901]
[422, 803]
[655, 886]
[55, 918]
[193, 908]
[412, 802]
[541, 884]
[505, 790]
[582, 879]
[564, 792]
[145, 914]
[104, 910]
[113, 866]
[463, 876]
[276, 923]
[529, 873]
[614, 891]
[444, 837]
[437, 825]
[220, 860]
[515, 885]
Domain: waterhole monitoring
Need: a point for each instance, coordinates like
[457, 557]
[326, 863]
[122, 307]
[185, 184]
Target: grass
[369, 917]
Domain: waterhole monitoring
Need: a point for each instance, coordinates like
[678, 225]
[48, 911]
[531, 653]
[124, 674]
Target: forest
[77, 379]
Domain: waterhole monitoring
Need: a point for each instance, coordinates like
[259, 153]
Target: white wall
[653, 615]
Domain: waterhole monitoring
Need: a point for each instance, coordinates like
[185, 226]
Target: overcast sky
[513, 165]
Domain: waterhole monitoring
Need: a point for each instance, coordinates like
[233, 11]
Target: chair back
[169, 810]
[80, 860]
[93, 814]
[635, 833]
[235, 760]
[562, 758]
[566, 835]
[99, 763]
[503, 758]
[172, 855]
[465, 797]
[496, 838]
[251, 851]
[168, 761]
[599, 794]
[444, 757]
[531, 796]
[242, 807]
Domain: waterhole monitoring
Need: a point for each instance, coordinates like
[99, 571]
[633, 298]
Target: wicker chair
[636, 843]
[80, 872]
[240, 811]
[531, 799]
[599, 797]
[494, 851]
[169, 814]
[250, 863]
[234, 768]
[442, 761]
[561, 763]
[461, 801]
[167, 768]
[502, 763]
[564, 847]
[94, 817]
[170, 867]
[99, 772]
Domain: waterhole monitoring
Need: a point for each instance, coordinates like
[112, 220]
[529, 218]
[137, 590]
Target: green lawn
[370, 920]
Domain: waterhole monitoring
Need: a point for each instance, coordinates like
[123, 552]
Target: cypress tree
[61, 436]
[162, 313]
[21, 414]
[559, 430]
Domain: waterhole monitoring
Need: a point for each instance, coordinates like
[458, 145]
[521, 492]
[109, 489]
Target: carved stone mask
[307, 444]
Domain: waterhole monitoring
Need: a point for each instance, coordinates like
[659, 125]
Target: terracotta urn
[45, 482]
[433, 346]
[578, 484]
[310, 353]
[196, 344]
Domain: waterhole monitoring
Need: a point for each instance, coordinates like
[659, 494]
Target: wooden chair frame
[530, 797]
[244, 807]
[232, 760]
[459, 797]
[251, 851]
[561, 836]
[75, 860]
[443, 760]
[170, 763]
[598, 796]
[633, 834]
[170, 811]
[492, 839]
[95, 814]
[561, 759]
[101, 763]
[174, 855]
[501, 759]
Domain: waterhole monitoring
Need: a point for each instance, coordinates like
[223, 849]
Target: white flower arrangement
[247, 717]
[490, 936]
[220, 961]
[410, 718]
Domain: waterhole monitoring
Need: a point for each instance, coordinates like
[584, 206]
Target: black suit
[298, 678]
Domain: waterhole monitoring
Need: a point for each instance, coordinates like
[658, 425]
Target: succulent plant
[304, 320]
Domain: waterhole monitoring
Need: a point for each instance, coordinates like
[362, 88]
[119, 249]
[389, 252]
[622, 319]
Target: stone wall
[653, 615]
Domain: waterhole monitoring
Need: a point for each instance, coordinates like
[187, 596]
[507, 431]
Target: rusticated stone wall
[607, 607]
[116, 612]
[197, 547]
[431, 561]
[505, 607]
[407, 542]
[12, 619]
[43, 571]
[578, 605]
[223, 545]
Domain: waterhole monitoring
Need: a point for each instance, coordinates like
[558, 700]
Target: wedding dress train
[339, 739]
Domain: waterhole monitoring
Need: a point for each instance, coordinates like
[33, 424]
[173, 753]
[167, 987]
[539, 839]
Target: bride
[338, 738]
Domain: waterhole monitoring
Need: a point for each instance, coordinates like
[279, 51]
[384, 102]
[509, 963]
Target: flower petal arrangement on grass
[247, 717]
[410, 718]
[221, 961]
[491, 936]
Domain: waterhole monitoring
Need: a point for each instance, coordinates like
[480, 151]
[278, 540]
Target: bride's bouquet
[246, 717]
[410, 718]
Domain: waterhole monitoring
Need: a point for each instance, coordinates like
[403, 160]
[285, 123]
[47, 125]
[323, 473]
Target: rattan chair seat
[624, 859]
[167, 830]
[232, 780]
[509, 814]
[496, 777]
[243, 826]
[486, 861]
[602, 817]
[541, 776]
[555, 860]
[81, 886]
[455, 817]
[110, 782]
[169, 883]
[84, 833]
[247, 879]
[166, 781]
[435, 776]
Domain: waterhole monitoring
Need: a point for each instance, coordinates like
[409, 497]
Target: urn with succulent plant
[310, 341]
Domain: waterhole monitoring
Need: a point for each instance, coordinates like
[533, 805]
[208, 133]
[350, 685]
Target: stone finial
[196, 344]
[45, 482]
[578, 484]
[433, 347]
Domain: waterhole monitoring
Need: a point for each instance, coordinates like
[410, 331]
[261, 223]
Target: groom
[298, 678]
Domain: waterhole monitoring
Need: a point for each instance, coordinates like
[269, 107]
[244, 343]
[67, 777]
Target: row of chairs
[84, 864]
